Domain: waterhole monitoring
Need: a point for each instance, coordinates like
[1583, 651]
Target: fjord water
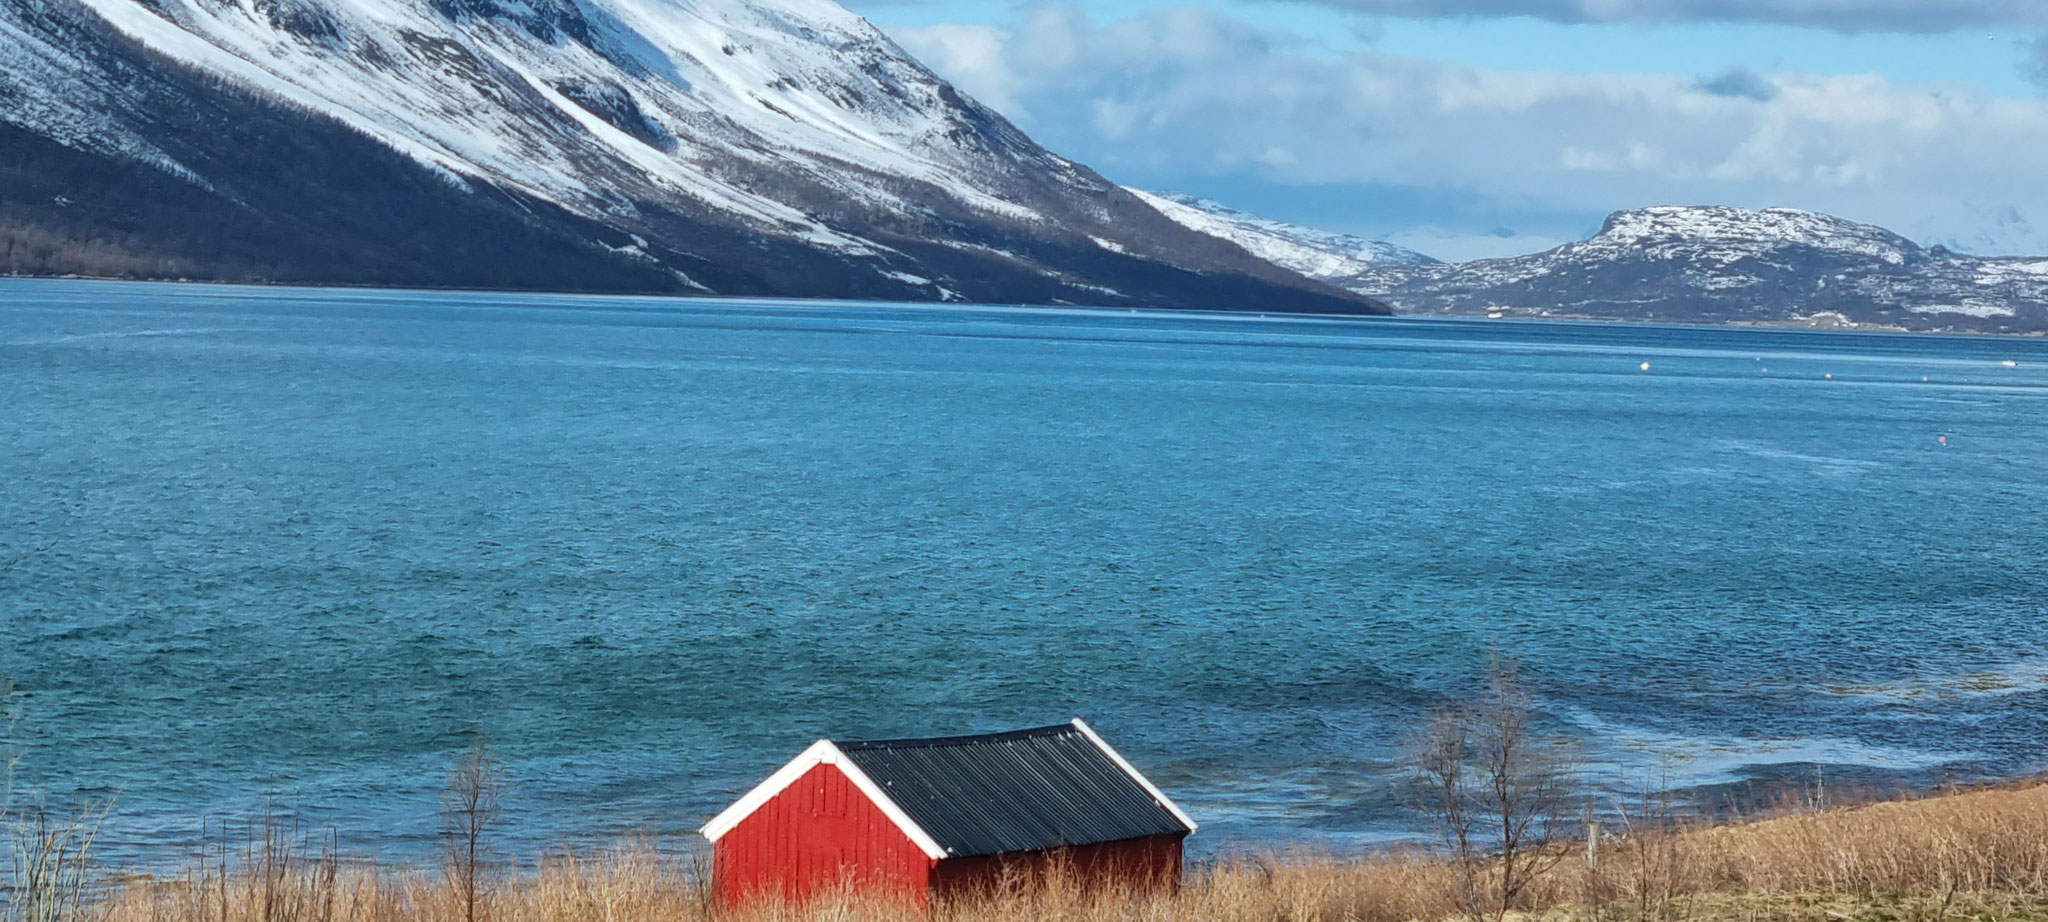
[295, 548]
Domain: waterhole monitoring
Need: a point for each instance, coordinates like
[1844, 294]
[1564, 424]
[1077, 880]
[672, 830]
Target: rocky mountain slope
[1717, 264]
[1332, 257]
[769, 147]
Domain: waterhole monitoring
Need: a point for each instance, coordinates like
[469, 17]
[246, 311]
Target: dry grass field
[1975, 855]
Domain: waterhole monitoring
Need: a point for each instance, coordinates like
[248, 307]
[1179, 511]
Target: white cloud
[1842, 15]
[973, 56]
[1193, 92]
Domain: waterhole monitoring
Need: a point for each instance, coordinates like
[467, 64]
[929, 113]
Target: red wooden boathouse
[918, 819]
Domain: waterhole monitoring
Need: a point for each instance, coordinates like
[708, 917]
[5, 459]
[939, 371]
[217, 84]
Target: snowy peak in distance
[1714, 264]
[767, 147]
[1318, 254]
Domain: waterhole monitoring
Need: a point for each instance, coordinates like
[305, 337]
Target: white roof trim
[1114, 756]
[867, 785]
[764, 792]
[823, 752]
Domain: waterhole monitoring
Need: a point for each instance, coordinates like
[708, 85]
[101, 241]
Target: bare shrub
[1500, 795]
[53, 875]
[470, 806]
[1658, 880]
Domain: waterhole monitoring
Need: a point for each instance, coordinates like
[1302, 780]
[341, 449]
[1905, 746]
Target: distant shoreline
[1809, 324]
[679, 296]
[1813, 324]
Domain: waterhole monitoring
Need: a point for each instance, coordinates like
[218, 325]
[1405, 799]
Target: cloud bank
[1842, 15]
[1195, 98]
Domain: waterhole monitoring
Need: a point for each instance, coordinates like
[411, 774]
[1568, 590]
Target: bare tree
[1500, 795]
[1442, 762]
[469, 807]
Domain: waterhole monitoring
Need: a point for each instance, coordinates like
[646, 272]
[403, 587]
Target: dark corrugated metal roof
[1021, 791]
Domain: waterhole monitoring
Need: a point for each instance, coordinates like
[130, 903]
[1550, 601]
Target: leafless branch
[470, 805]
[1500, 795]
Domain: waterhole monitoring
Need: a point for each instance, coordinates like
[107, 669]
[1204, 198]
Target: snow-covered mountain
[1718, 264]
[733, 146]
[1331, 257]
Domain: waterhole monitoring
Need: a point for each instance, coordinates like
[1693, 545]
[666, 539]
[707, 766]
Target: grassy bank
[1972, 855]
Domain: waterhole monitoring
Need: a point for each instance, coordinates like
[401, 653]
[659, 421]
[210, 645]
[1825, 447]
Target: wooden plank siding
[1151, 863]
[818, 836]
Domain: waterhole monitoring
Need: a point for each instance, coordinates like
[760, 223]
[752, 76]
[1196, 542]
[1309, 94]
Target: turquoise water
[296, 548]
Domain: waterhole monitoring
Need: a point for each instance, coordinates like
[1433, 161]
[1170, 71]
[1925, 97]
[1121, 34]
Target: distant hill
[755, 147]
[1720, 265]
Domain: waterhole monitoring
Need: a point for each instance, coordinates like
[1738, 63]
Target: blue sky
[1486, 127]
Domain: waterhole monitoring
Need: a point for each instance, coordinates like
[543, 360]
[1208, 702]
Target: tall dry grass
[1977, 855]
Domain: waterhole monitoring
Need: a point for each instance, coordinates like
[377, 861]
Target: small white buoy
[1831, 377]
[1923, 379]
[1646, 366]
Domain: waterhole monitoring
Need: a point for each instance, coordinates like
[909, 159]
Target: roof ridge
[943, 741]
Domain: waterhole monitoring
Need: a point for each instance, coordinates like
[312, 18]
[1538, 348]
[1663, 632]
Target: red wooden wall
[1154, 861]
[819, 835]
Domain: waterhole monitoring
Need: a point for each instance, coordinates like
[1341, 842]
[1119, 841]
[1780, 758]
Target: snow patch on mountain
[1728, 234]
[1984, 308]
[50, 90]
[1993, 272]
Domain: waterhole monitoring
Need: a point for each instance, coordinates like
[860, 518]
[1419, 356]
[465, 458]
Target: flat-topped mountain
[1719, 264]
[761, 147]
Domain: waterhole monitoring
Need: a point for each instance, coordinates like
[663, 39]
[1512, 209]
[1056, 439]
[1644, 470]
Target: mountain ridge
[771, 147]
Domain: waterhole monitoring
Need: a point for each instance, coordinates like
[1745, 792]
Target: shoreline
[1972, 852]
[1808, 324]
[1800, 324]
[170, 839]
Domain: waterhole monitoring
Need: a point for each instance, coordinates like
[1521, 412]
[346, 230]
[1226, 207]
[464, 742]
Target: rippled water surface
[296, 547]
